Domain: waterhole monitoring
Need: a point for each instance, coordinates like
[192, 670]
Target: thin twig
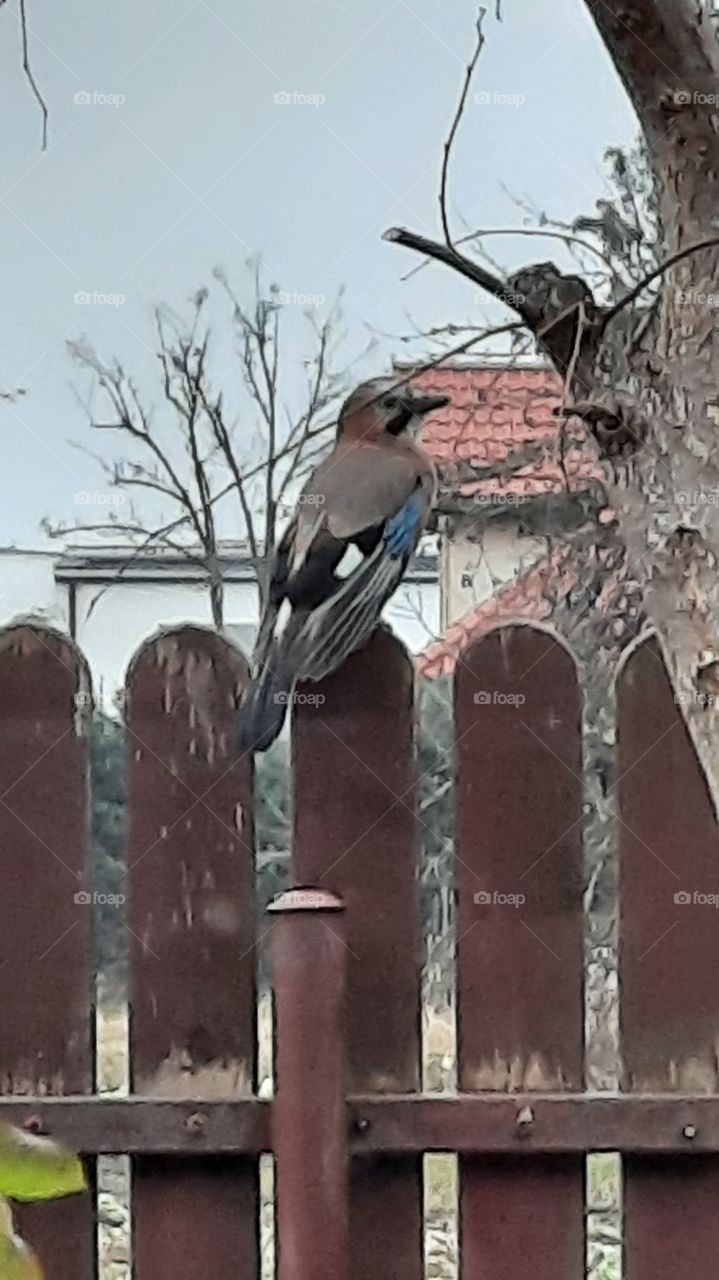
[568, 378]
[565, 237]
[654, 275]
[30, 75]
[471, 65]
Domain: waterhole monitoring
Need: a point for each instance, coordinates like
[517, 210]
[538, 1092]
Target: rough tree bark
[645, 376]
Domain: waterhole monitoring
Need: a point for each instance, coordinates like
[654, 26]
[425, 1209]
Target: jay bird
[373, 492]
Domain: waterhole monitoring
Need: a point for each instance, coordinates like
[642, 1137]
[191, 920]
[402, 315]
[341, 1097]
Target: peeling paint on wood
[46, 958]
[192, 916]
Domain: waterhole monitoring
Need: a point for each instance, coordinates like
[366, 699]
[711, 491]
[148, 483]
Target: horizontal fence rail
[347, 1122]
[522, 1124]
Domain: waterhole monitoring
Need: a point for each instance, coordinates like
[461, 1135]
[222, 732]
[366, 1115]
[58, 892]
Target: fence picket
[355, 834]
[519, 808]
[193, 929]
[46, 934]
[192, 919]
[669, 956]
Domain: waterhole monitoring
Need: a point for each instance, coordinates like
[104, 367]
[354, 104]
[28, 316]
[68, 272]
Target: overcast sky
[173, 149]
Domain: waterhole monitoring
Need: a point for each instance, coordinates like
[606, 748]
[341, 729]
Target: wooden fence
[349, 1123]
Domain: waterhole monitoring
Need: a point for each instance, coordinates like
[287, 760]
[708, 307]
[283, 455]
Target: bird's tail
[264, 707]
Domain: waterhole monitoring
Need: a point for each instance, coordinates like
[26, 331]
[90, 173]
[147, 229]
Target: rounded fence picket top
[348, 1131]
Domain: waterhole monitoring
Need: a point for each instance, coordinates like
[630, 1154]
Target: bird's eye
[389, 402]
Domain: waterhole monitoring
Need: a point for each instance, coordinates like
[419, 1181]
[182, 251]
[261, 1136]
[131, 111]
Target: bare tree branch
[193, 477]
[30, 75]
[471, 66]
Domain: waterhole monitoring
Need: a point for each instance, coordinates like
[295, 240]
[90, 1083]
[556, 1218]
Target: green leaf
[33, 1168]
[17, 1260]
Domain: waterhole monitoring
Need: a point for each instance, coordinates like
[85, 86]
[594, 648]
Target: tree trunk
[217, 592]
[645, 376]
[667, 498]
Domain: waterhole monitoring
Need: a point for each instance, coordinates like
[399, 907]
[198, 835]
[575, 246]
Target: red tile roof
[530, 598]
[496, 411]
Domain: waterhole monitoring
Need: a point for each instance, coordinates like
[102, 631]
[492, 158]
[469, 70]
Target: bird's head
[388, 405]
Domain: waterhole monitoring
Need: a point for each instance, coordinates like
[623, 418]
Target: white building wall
[474, 570]
[28, 587]
[113, 621]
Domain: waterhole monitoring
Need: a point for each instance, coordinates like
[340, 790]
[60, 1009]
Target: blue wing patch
[402, 530]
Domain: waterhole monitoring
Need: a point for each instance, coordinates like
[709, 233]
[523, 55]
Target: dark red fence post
[309, 1121]
[519, 942]
[46, 914]
[356, 835]
[669, 960]
[192, 957]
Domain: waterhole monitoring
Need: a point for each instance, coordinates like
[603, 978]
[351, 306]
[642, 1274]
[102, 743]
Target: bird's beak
[420, 405]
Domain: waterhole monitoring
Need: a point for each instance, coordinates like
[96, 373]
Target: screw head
[34, 1124]
[196, 1122]
[524, 1120]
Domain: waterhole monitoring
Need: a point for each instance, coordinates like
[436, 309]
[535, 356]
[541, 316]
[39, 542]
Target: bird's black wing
[328, 634]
